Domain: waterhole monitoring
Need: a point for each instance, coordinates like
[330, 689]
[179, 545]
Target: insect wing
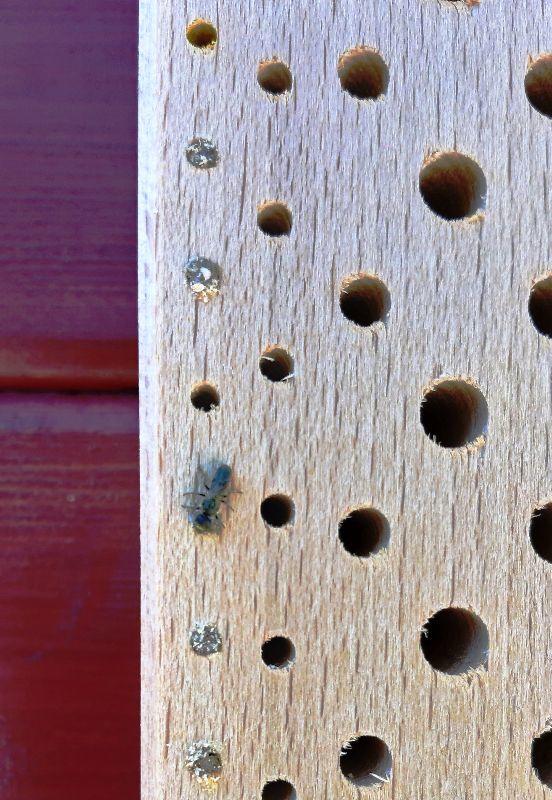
[221, 479]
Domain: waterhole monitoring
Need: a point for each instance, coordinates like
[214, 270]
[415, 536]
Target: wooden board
[69, 597]
[346, 429]
[68, 195]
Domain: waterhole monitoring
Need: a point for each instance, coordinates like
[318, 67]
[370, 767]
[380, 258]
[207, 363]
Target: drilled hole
[274, 219]
[455, 641]
[201, 34]
[540, 531]
[541, 757]
[278, 790]
[274, 77]
[454, 413]
[540, 305]
[538, 84]
[364, 299]
[363, 73]
[278, 652]
[277, 510]
[453, 185]
[204, 397]
[364, 532]
[366, 761]
[276, 364]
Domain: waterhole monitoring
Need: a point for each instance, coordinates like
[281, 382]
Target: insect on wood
[204, 515]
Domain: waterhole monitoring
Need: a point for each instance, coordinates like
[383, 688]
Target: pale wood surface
[345, 430]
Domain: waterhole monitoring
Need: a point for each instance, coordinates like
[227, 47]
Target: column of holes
[453, 410]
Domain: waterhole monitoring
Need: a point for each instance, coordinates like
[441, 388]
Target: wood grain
[69, 597]
[345, 430]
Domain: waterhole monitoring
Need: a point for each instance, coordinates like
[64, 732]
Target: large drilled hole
[540, 305]
[363, 73]
[278, 652]
[366, 761]
[454, 413]
[278, 790]
[277, 510]
[364, 532]
[274, 218]
[538, 84]
[541, 757]
[204, 396]
[276, 364]
[364, 299]
[274, 77]
[453, 185]
[455, 641]
[201, 34]
[540, 531]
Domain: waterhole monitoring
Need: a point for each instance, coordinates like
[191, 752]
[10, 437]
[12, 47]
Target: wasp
[204, 515]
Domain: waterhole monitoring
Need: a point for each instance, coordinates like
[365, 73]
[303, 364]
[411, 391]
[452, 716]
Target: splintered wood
[346, 298]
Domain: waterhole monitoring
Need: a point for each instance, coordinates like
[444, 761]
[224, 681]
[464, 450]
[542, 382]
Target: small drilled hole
[201, 34]
[455, 641]
[363, 73]
[364, 532]
[366, 761]
[276, 364]
[205, 397]
[364, 300]
[540, 305]
[277, 510]
[278, 790]
[454, 413]
[274, 219]
[541, 757]
[274, 77]
[540, 531]
[278, 652]
[538, 84]
[453, 185]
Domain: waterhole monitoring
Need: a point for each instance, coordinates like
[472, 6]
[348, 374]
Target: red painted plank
[68, 194]
[69, 598]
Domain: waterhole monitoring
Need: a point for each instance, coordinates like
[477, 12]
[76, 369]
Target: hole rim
[538, 84]
[470, 434]
[540, 532]
[369, 526]
[274, 77]
[364, 300]
[539, 305]
[541, 757]
[201, 35]
[468, 201]
[204, 396]
[278, 653]
[274, 219]
[447, 657]
[363, 73]
[366, 761]
[276, 364]
[278, 789]
[277, 510]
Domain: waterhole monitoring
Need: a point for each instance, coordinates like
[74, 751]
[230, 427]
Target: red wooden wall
[69, 535]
